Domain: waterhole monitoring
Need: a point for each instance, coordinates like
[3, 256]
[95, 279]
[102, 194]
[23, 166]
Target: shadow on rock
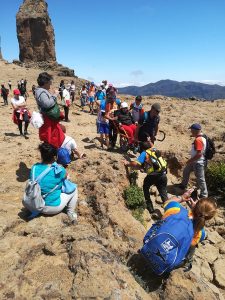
[11, 134]
[23, 172]
[143, 274]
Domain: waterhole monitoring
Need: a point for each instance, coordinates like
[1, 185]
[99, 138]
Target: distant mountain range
[171, 88]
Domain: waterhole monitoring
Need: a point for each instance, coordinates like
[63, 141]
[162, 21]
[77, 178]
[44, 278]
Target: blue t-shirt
[100, 95]
[102, 104]
[49, 181]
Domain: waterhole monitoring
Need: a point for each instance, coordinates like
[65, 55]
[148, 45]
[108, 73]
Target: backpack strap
[43, 174]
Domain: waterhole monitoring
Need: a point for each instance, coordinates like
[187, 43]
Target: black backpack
[210, 148]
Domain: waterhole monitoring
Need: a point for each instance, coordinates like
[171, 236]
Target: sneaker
[72, 217]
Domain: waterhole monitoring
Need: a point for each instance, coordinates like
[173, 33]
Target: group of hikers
[140, 128]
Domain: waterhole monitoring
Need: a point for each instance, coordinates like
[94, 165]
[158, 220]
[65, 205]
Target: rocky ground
[47, 258]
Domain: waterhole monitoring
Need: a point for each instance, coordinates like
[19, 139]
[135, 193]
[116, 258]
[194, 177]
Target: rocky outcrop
[35, 32]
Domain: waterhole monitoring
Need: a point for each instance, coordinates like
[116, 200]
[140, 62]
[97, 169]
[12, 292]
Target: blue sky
[133, 41]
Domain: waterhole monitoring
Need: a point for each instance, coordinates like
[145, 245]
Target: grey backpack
[32, 198]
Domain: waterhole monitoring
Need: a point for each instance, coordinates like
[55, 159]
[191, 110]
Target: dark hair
[72, 82]
[204, 210]
[138, 98]
[44, 78]
[48, 152]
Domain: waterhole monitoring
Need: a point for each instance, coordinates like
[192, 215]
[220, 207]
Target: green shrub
[138, 214]
[134, 197]
[215, 177]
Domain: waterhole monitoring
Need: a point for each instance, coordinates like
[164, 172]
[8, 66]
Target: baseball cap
[16, 92]
[195, 126]
[156, 106]
[124, 105]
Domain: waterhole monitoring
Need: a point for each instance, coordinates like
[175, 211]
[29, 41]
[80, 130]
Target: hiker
[70, 144]
[110, 109]
[91, 97]
[66, 101]
[155, 166]
[103, 128]
[148, 124]
[104, 85]
[126, 122]
[171, 244]
[197, 163]
[50, 131]
[23, 90]
[72, 90]
[83, 97]
[20, 112]
[61, 88]
[10, 84]
[100, 95]
[136, 109]
[56, 200]
[111, 91]
[33, 90]
[4, 94]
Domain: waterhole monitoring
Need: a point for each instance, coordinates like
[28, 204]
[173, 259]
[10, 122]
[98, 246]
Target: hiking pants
[66, 112]
[199, 171]
[160, 181]
[5, 98]
[72, 96]
[112, 133]
[67, 200]
[20, 122]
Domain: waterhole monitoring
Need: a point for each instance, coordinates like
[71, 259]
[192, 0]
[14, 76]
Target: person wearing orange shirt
[197, 162]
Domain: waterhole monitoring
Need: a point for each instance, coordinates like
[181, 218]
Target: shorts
[103, 128]
[91, 99]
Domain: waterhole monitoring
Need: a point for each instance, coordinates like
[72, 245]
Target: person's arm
[133, 164]
[136, 133]
[156, 129]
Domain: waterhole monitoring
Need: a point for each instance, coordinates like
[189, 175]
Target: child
[103, 128]
[136, 109]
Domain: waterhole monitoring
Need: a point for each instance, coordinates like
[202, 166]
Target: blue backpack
[167, 242]
[63, 156]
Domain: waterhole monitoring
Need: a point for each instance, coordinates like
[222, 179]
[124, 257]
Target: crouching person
[54, 190]
[155, 166]
[170, 243]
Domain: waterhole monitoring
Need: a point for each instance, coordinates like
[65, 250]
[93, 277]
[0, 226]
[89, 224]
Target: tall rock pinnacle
[35, 32]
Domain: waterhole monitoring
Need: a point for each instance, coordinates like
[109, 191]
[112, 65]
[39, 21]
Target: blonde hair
[204, 210]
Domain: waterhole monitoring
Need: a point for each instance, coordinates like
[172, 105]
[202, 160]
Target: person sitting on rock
[51, 184]
[155, 167]
[126, 122]
[20, 112]
[70, 144]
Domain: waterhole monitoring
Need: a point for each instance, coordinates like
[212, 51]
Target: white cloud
[210, 81]
[136, 73]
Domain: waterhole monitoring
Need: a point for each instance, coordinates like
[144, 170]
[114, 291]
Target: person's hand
[187, 195]
[126, 163]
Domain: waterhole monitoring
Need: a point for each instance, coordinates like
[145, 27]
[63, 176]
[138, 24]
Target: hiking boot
[25, 132]
[150, 207]
[72, 217]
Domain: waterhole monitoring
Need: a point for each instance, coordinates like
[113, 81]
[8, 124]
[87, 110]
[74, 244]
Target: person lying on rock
[155, 166]
[170, 243]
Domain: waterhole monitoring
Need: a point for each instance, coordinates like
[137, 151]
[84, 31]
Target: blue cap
[195, 126]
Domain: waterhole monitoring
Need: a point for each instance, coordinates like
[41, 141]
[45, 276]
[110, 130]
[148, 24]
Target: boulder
[35, 32]
[219, 267]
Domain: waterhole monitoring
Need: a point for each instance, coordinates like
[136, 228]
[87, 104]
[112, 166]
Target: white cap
[124, 105]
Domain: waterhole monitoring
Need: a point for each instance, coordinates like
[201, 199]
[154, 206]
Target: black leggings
[66, 112]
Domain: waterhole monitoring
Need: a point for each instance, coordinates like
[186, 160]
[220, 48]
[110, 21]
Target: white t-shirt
[20, 101]
[69, 144]
[66, 94]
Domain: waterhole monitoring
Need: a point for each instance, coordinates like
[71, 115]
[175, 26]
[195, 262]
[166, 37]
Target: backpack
[63, 156]
[167, 242]
[210, 148]
[32, 198]
[154, 164]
